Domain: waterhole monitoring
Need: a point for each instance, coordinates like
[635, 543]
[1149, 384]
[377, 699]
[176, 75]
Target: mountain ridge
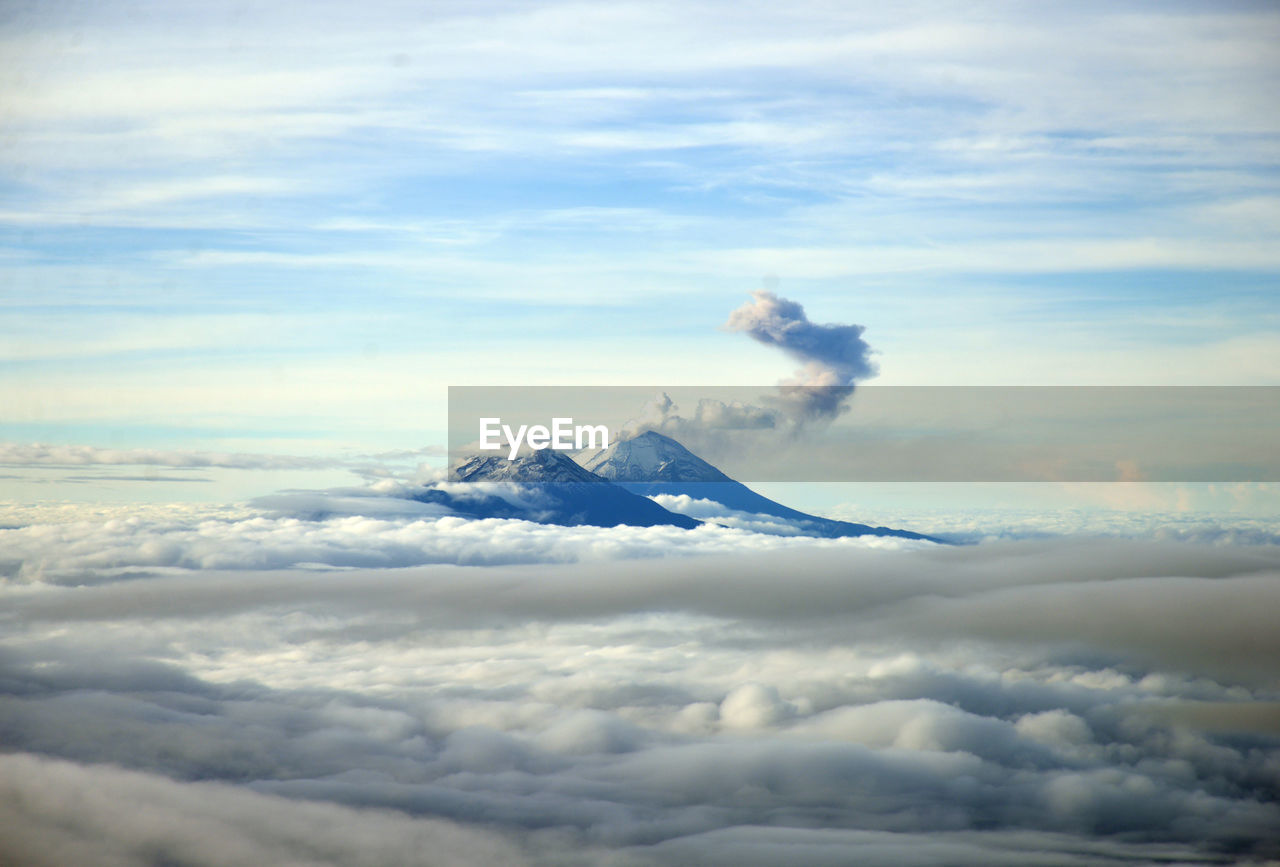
[651, 464]
[550, 488]
[619, 485]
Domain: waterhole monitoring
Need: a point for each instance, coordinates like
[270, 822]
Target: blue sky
[289, 227]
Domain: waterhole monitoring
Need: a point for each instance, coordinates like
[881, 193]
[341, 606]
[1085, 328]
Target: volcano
[548, 487]
[652, 464]
[618, 485]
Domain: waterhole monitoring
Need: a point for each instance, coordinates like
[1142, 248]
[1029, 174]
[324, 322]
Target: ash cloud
[834, 358]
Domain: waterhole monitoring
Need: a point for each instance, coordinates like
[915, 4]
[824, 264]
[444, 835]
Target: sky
[246, 249]
[287, 228]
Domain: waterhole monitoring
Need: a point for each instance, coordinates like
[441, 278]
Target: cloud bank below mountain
[1029, 703]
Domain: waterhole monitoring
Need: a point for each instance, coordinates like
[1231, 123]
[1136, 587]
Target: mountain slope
[539, 467]
[652, 464]
[651, 457]
[550, 488]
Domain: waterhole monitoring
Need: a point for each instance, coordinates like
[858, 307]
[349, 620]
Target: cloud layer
[41, 454]
[344, 532]
[125, 818]
[1030, 703]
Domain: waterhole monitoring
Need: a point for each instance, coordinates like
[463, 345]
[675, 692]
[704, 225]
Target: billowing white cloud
[709, 510]
[349, 529]
[1064, 702]
[54, 813]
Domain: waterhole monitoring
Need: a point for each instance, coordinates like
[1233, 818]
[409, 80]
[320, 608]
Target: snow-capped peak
[650, 457]
[542, 466]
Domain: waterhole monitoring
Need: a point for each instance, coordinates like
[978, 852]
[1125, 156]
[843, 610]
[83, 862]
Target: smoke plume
[834, 357]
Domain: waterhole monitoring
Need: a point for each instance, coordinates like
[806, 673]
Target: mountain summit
[626, 484]
[651, 457]
[548, 487]
[540, 467]
[653, 464]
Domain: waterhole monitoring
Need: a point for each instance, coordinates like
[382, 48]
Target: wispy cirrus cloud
[559, 157]
[41, 454]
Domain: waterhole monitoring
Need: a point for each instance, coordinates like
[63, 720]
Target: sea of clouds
[252, 687]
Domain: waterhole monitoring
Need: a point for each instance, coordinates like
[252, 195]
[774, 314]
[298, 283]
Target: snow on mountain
[544, 466]
[645, 481]
[651, 457]
[654, 465]
[548, 487]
